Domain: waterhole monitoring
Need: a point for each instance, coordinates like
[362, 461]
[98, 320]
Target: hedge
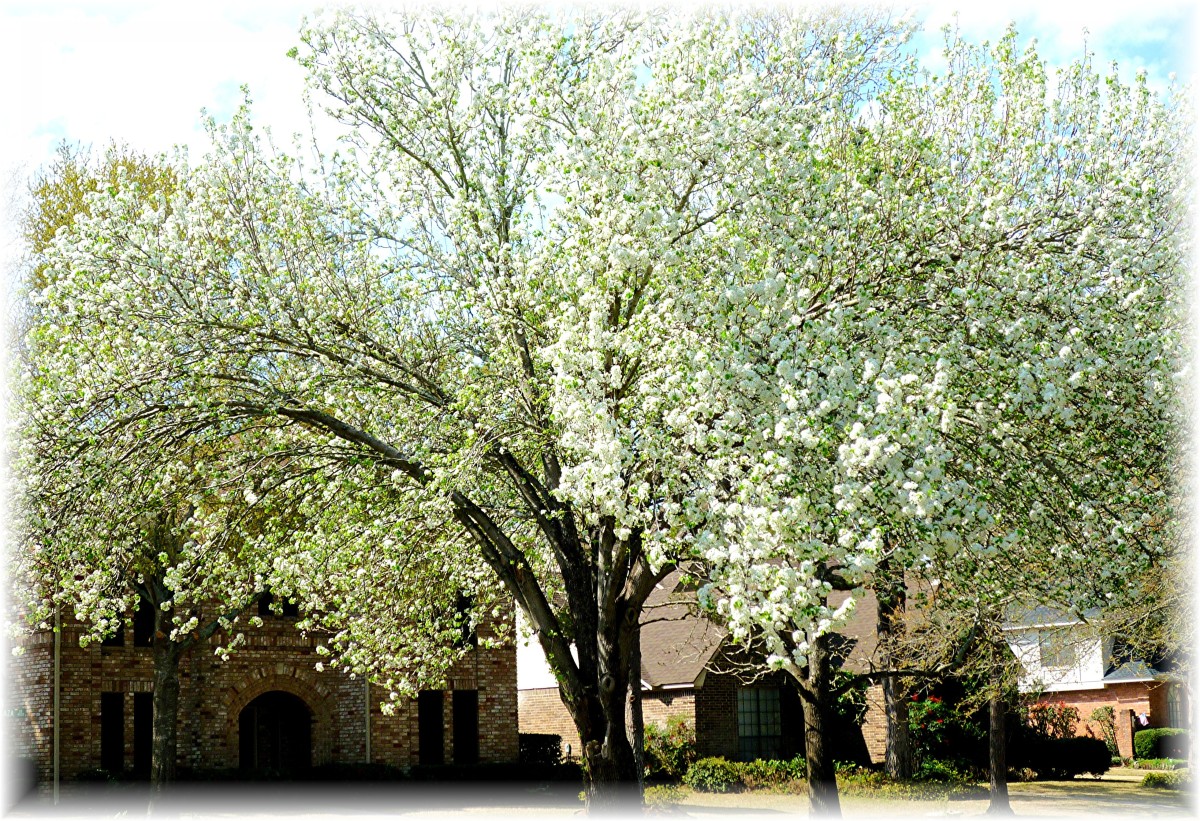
[1160, 742]
[539, 748]
[1061, 758]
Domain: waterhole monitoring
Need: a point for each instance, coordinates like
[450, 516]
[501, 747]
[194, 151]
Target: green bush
[773, 773]
[1177, 780]
[713, 775]
[944, 771]
[1106, 719]
[669, 751]
[1061, 758]
[1158, 764]
[1160, 742]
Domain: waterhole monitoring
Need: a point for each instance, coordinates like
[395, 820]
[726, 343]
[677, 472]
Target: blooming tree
[495, 305]
[973, 348]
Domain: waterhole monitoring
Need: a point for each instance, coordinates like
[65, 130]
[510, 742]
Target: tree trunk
[166, 712]
[891, 599]
[997, 767]
[613, 786]
[815, 695]
[637, 723]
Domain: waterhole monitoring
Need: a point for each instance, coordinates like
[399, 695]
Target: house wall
[874, 727]
[541, 710]
[1085, 673]
[213, 694]
[1128, 699]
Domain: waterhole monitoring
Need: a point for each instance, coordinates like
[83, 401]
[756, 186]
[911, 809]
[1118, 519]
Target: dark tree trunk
[816, 696]
[166, 711]
[891, 599]
[637, 723]
[997, 766]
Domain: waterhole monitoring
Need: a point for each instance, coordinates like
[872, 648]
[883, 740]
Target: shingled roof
[678, 642]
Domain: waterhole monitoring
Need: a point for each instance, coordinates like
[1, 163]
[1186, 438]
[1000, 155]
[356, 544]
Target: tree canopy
[581, 298]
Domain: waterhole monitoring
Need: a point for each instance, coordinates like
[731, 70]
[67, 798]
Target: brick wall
[540, 710]
[1127, 699]
[874, 727]
[716, 717]
[213, 694]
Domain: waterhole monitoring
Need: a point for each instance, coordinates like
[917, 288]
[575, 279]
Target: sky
[141, 72]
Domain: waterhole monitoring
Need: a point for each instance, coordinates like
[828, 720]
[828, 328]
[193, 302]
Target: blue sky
[140, 71]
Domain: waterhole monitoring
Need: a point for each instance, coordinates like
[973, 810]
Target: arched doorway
[275, 735]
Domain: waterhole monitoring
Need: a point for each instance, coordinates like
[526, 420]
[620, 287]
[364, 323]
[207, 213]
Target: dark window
[143, 625]
[289, 609]
[467, 636]
[112, 732]
[431, 745]
[466, 726]
[760, 726]
[143, 734]
[117, 639]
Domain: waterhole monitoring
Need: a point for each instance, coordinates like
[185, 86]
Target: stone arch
[291, 679]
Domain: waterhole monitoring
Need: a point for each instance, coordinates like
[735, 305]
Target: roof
[678, 642]
[1020, 618]
[1132, 671]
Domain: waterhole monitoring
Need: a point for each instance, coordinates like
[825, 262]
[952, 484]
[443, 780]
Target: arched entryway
[275, 735]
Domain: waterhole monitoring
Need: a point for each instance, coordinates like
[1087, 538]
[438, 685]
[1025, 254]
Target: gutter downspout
[367, 713]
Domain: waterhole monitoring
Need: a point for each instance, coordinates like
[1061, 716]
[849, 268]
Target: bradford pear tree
[500, 293]
[973, 347]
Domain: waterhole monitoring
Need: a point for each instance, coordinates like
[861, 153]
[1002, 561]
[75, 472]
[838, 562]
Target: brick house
[1065, 662]
[265, 710]
[689, 671]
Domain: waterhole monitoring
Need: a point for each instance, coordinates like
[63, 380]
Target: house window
[143, 625]
[760, 728]
[289, 609]
[112, 732]
[466, 726]
[431, 744]
[1174, 706]
[143, 734]
[467, 636]
[117, 639]
[1055, 650]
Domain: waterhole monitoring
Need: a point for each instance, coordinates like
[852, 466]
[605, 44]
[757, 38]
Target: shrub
[713, 775]
[670, 750]
[1061, 758]
[774, 773]
[944, 771]
[663, 795]
[1106, 719]
[1177, 780]
[1159, 764]
[1160, 742]
[539, 748]
[1053, 720]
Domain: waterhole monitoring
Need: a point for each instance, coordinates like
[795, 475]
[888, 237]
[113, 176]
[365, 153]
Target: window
[143, 625]
[1055, 650]
[1174, 706]
[112, 732]
[143, 734]
[466, 726]
[289, 609]
[117, 639]
[467, 635]
[431, 744]
[760, 728]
